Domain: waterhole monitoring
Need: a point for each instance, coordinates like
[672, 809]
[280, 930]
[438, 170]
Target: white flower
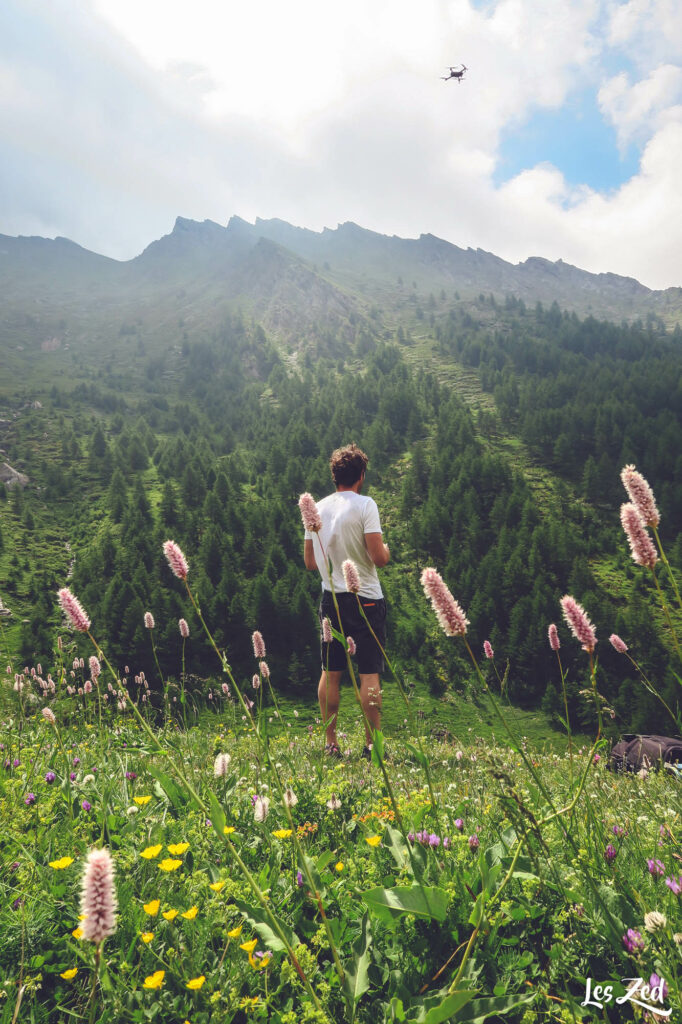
[333, 803]
[290, 798]
[132, 810]
[260, 808]
[220, 765]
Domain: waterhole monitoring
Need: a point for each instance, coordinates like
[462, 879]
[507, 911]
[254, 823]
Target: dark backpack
[634, 752]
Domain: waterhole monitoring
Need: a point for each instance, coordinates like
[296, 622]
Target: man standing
[350, 529]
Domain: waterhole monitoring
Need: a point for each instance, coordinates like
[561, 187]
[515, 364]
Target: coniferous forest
[496, 432]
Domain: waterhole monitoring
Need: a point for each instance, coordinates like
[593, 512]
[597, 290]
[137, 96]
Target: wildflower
[339, 866]
[70, 974]
[299, 878]
[641, 545]
[170, 865]
[217, 886]
[474, 842]
[29, 799]
[249, 946]
[141, 801]
[196, 983]
[327, 636]
[610, 853]
[154, 980]
[655, 921]
[351, 646]
[578, 623]
[459, 824]
[373, 841]
[73, 610]
[618, 831]
[177, 849]
[448, 612]
[95, 667]
[87, 686]
[131, 775]
[147, 937]
[184, 628]
[62, 863]
[641, 495]
[149, 620]
[48, 715]
[675, 885]
[98, 896]
[333, 803]
[261, 806]
[190, 914]
[656, 868]
[290, 799]
[220, 765]
[617, 643]
[152, 908]
[50, 777]
[633, 941]
[228, 830]
[312, 522]
[351, 576]
[282, 833]
[86, 805]
[151, 851]
[264, 670]
[169, 915]
[235, 932]
[258, 645]
[487, 649]
[656, 982]
[176, 559]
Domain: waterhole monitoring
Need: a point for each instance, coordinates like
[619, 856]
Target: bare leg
[328, 694]
[370, 696]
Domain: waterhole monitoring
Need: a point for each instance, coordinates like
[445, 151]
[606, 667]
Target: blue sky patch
[575, 139]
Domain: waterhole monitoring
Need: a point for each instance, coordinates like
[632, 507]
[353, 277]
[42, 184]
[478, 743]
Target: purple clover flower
[656, 868]
[675, 885]
[459, 824]
[633, 941]
[29, 799]
[474, 842]
[50, 777]
[131, 775]
[610, 853]
[86, 805]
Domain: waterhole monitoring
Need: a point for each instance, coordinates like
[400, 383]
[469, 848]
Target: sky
[563, 140]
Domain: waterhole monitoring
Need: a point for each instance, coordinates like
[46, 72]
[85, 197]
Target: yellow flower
[217, 886]
[282, 833]
[62, 863]
[373, 840]
[177, 849]
[170, 865]
[340, 866]
[147, 937]
[249, 947]
[236, 932]
[170, 915]
[229, 829]
[196, 983]
[151, 852]
[77, 933]
[141, 801]
[154, 980]
[190, 914]
[152, 908]
[68, 975]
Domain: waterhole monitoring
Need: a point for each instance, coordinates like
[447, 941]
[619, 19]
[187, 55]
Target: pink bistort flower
[487, 649]
[149, 620]
[641, 495]
[351, 576]
[618, 644]
[258, 645]
[578, 623]
[450, 615]
[553, 637]
[176, 559]
[98, 897]
[309, 513]
[184, 628]
[641, 545]
[73, 610]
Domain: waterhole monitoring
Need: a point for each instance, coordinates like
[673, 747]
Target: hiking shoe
[366, 753]
[332, 750]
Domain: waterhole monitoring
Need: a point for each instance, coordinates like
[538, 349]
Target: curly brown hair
[347, 465]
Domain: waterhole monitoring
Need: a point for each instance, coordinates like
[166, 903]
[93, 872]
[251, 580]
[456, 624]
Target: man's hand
[377, 550]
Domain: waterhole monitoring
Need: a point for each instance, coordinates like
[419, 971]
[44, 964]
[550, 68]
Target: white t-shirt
[346, 518]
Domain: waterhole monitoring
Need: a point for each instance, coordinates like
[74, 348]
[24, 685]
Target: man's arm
[376, 549]
[309, 555]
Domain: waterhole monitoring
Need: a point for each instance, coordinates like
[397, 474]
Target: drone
[459, 75]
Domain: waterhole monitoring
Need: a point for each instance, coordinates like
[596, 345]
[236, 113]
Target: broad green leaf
[377, 748]
[177, 798]
[422, 901]
[417, 754]
[260, 922]
[217, 814]
[479, 1010]
[435, 1010]
[356, 978]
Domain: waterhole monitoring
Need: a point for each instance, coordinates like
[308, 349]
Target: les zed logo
[636, 993]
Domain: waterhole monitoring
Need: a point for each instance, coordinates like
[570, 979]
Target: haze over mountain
[270, 267]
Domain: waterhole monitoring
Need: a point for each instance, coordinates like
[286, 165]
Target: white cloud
[638, 110]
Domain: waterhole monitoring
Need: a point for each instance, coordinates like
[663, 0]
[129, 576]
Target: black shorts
[368, 654]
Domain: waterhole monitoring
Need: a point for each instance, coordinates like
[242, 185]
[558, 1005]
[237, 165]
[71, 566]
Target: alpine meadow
[177, 845]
